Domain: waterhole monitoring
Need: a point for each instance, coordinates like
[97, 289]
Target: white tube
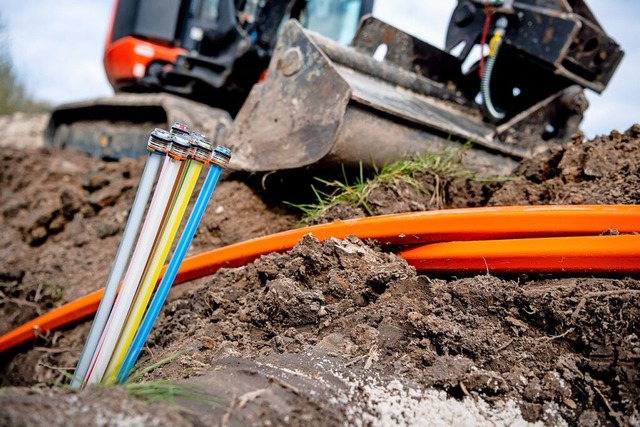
[134, 273]
[154, 267]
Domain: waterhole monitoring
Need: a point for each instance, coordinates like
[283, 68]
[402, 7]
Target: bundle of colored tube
[158, 145]
[218, 162]
[117, 322]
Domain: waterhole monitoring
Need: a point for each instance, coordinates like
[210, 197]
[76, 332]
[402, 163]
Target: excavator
[289, 84]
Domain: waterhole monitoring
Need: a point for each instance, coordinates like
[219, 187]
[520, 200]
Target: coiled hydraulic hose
[485, 83]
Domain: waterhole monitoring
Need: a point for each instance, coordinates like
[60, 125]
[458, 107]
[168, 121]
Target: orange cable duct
[578, 254]
[475, 224]
[429, 227]
[67, 314]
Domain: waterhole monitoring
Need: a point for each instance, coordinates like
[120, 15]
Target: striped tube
[134, 273]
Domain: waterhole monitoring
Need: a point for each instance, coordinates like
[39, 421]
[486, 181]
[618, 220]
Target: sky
[57, 46]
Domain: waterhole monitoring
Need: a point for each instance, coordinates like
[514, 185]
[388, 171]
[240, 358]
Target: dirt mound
[558, 345]
[334, 332]
[605, 170]
[559, 349]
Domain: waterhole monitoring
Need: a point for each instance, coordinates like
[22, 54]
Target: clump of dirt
[314, 284]
[605, 170]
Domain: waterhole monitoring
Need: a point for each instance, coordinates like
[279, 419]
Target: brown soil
[328, 333]
[603, 171]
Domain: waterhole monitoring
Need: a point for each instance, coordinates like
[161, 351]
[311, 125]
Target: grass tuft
[151, 391]
[165, 391]
[442, 166]
[162, 390]
[138, 372]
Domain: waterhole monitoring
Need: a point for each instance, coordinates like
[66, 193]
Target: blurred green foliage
[13, 94]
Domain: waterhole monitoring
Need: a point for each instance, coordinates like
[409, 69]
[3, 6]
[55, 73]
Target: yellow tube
[154, 268]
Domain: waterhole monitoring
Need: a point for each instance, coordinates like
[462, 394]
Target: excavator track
[119, 126]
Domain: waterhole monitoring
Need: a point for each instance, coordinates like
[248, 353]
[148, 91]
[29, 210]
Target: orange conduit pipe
[508, 222]
[67, 314]
[581, 254]
[430, 227]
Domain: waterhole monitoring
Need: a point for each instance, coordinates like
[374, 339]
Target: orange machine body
[127, 58]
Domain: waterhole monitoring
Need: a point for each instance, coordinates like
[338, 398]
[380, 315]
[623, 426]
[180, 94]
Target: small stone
[414, 316]
[515, 322]
[570, 403]
[207, 342]
[108, 195]
[94, 181]
[487, 382]
[107, 228]
[38, 234]
[364, 335]
[57, 224]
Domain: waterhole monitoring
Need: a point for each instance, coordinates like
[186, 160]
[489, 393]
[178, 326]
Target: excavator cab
[211, 51]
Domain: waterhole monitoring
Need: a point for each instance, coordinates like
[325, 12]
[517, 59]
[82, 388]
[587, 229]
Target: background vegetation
[13, 94]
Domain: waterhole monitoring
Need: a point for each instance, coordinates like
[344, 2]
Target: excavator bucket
[323, 103]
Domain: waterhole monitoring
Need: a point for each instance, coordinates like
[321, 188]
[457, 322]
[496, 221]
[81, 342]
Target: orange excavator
[292, 83]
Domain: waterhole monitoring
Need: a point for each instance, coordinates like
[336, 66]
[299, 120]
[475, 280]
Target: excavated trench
[338, 332]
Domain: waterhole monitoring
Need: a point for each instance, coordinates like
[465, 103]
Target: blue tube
[170, 275]
[120, 262]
